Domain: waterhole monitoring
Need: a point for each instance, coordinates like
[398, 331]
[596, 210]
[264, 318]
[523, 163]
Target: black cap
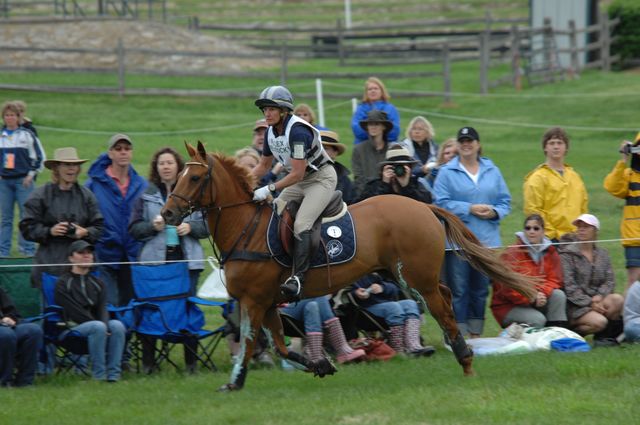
[468, 133]
[79, 245]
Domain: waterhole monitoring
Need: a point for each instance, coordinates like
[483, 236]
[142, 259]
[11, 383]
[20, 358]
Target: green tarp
[17, 282]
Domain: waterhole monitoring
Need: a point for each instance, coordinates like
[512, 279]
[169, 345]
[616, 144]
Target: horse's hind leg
[251, 316]
[439, 302]
[274, 324]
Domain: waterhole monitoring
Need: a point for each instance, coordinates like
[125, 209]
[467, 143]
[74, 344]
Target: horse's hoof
[226, 388]
[323, 367]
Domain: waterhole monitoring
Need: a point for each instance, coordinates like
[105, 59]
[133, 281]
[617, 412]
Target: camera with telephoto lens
[628, 148]
[398, 170]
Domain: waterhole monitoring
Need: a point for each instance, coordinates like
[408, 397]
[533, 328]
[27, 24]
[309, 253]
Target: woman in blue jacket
[375, 97]
[471, 187]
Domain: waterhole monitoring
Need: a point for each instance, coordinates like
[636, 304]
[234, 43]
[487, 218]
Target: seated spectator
[19, 345]
[380, 297]
[305, 112]
[83, 298]
[446, 153]
[592, 306]
[318, 318]
[58, 213]
[367, 156]
[532, 255]
[334, 149]
[632, 313]
[395, 177]
[420, 145]
[376, 97]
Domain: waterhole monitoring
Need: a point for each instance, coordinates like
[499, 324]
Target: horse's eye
[195, 178]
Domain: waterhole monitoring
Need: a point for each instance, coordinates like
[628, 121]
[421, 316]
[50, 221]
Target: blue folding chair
[164, 310]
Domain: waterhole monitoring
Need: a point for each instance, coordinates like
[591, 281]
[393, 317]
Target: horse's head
[194, 188]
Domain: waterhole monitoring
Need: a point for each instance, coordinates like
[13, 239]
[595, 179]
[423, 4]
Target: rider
[296, 145]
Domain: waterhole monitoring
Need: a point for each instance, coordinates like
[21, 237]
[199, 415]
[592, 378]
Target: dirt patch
[105, 35]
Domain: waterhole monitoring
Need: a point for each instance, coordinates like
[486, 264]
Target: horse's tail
[481, 257]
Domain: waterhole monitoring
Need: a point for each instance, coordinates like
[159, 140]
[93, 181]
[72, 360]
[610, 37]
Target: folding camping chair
[163, 310]
[15, 279]
[355, 319]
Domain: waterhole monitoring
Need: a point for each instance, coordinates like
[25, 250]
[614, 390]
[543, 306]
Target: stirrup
[287, 288]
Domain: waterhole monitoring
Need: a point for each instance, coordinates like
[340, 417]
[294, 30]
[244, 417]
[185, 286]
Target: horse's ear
[190, 149]
[201, 150]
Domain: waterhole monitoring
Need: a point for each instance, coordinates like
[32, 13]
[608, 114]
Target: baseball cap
[261, 123]
[589, 219]
[468, 133]
[79, 245]
[118, 138]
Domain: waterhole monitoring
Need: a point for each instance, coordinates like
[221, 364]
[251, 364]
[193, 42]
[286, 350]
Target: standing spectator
[247, 158]
[116, 186]
[624, 182]
[162, 242]
[367, 156]
[333, 147]
[305, 112]
[376, 97]
[83, 298]
[19, 345]
[311, 179]
[25, 121]
[589, 282]
[380, 298]
[21, 158]
[553, 189]
[276, 170]
[471, 187]
[421, 146]
[532, 255]
[259, 129]
[59, 213]
[447, 151]
[395, 177]
[632, 313]
[319, 320]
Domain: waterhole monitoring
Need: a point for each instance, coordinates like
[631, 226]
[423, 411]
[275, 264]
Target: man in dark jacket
[83, 298]
[116, 185]
[396, 178]
[19, 345]
[334, 148]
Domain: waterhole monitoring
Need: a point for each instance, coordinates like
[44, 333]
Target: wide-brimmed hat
[397, 154]
[66, 155]
[378, 116]
[330, 138]
[589, 219]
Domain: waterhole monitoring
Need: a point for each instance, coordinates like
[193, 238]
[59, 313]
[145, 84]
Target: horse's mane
[244, 177]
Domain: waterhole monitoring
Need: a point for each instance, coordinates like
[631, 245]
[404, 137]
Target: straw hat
[397, 154]
[66, 155]
[330, 138]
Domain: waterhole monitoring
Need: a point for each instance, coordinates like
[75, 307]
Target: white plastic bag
[215, 286]
[540, 338]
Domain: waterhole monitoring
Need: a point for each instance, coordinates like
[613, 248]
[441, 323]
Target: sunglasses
[535, 228]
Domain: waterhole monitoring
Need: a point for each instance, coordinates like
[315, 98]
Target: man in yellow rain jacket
[554, 189]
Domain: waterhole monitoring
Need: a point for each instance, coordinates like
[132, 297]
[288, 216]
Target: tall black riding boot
[292, 287]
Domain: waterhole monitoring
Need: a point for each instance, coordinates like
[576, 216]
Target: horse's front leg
[251, 316]
[319, 368]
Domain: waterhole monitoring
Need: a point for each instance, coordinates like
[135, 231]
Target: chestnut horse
[396, 234]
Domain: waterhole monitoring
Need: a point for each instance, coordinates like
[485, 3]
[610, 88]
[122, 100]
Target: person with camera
[59, 213]
[396, 178]
[622, 182]
[554, 189]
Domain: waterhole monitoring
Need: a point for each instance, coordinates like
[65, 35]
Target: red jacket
[549, 269]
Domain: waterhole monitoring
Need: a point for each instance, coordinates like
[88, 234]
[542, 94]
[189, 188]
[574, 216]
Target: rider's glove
[261, 194]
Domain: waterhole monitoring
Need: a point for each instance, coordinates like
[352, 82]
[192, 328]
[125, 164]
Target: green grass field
[599, 110]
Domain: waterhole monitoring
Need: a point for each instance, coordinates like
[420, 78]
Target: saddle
[335, 209]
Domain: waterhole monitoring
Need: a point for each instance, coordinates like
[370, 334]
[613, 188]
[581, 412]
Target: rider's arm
[263, 167]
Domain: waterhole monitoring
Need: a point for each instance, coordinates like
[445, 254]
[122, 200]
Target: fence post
[340, 41]
[574, 70]
[121, 67]
[320, 100]
[484, 62]
[283, 66]
[547, 43]
[605, 42]
[516, 78]
[5, 8]
[446, 70]
[164, 11]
